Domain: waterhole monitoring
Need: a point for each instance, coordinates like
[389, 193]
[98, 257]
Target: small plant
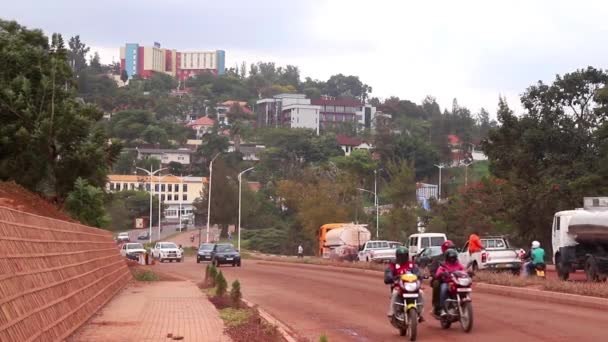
[235, 294]
[220, 284]
[212, 275]
[145, 275]
[206, 274]
[323, 338]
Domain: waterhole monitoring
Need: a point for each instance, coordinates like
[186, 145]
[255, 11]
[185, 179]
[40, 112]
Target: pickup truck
[378, 251]
[497, 255]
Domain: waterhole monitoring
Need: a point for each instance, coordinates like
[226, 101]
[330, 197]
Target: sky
[473, 51]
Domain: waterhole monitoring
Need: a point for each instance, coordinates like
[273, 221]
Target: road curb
[283, 329]
[544, 296]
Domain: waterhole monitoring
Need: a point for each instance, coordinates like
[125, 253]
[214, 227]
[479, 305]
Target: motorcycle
[408, 307]
[540, 270]
[458, 305]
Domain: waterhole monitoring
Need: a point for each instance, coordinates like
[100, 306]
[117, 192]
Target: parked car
[132, 250]
[167, 251]
[497, 254]
[225, 253]
[379, 251]
[123, 237]
[204, 252]
[420, 241]
[143, 236]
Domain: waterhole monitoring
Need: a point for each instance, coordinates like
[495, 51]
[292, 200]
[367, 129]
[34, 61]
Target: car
[123, 237]
[225, 253]
[204, 252]
[167, 251]
[419, 241]
[497, 255]
[132, 250]
[378, 251]
[143, 236]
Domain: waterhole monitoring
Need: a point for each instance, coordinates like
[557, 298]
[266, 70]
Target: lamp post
[209, 199]
[151, 174]
[466, 174]
[240, 192]
[375, 203]
[440, 166]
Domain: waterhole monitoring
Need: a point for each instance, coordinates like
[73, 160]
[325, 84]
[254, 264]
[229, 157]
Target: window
[490, 243]
[148, 187]
[117, 186]
[162, 197]
[125, 186]
[140, 186]
[112, 187]
[176, 197]
[383, 244]
[132, 186]
[425, 242]
[437, 240]
[156, 187]
[185, 197]
[169, 187]
[557, 219]
[162, 187]
[176, 188]
[185, 187]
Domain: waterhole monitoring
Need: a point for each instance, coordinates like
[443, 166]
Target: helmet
[402, 255]
[451, 256]
[535, 244]
[447, 244]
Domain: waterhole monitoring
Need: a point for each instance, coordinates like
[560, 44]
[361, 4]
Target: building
[145, 60]
[335, 112]
[250, 151]
[165, 156]
[173, 191]
[288, 110]
[349, 144]
[201, 126]
[225, 107]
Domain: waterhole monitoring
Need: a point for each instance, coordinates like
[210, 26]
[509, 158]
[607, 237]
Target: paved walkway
[151, 311]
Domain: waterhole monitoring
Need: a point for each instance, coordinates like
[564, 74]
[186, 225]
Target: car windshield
[206, 247]
[135, 246]
[432, 251]
[168, 245]
[225, 248]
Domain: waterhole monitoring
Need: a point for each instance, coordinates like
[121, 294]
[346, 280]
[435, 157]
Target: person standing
[300, 251]
[474, 243]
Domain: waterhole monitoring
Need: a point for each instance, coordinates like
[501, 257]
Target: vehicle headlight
[410, 287]
[464, 281]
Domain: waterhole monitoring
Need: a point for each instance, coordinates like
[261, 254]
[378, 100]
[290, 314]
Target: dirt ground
[16, 197]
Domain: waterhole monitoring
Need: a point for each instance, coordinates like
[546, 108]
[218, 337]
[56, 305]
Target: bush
[233, 317]
[145, 275]
[220, 284]
[235, 294]
[212, 275]
[323, 338]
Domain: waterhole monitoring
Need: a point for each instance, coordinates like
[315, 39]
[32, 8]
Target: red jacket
[474, 244]
[448, 267]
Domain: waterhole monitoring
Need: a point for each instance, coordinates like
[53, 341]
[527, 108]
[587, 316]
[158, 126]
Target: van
[418, 242]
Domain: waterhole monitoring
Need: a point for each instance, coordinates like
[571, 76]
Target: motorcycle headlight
[464, 281]
[410, 287]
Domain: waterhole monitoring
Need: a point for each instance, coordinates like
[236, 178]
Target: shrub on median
[235, 294]
[220, 284]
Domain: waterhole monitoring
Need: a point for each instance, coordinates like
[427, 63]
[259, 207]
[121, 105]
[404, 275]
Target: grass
[144, 275]
[235, 317]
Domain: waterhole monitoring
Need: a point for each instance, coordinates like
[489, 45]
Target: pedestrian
[300, 251]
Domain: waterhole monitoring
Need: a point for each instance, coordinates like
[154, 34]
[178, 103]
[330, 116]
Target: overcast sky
[469, 50]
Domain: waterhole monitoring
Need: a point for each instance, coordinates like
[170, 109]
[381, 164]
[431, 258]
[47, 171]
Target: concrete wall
[54, 275]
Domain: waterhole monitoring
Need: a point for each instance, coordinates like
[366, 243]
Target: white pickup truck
[496, 255]
[378, 251]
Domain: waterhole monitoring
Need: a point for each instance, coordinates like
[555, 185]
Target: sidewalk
[151, 311]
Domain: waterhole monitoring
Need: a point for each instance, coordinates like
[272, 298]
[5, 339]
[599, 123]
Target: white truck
[580, 240]
[378, 251]
[344, 242]
[419, 241]
[496, 255]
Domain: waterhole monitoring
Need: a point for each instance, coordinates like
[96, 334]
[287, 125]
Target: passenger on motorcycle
[401, 266]
[450, 265]
[433, 270]
[536, 256]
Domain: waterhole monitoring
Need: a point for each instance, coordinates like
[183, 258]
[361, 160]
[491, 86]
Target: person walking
[300, 251]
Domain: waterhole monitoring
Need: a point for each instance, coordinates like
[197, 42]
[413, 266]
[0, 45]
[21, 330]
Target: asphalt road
[352, 307]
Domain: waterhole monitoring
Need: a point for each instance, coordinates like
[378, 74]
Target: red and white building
[350, 144]
[201, 126]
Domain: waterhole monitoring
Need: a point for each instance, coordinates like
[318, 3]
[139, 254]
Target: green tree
[400, 191]
[78, 54]
[95, 63]
[124, 76]
[86, 203]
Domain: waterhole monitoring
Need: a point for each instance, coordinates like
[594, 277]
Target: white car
[379, 251]
[496, 255]
[167, 251]
[132, 250]
[123, 237]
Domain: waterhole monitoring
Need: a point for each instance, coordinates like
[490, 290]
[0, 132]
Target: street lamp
[209, 199]
[375, 203]
[151, 174]
[466, 173]
[240, 192]
[440, 166]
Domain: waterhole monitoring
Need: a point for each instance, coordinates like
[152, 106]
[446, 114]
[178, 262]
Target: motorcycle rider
[401, 265]
[450, 265]
[536, 256]
[435, 282]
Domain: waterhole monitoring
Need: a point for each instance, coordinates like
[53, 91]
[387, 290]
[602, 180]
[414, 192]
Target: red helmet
[447, 244]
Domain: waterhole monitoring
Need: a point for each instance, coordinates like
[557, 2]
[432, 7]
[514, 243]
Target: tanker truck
[342, 241]
[580, 240]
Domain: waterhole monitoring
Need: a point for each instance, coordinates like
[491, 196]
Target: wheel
[445, 324]
[238, 264]
[412, 329]
[179, 260]
[198, 261]
[475, 267]
[466, 319]
[234, 264]
[562, 270]
[591, 269]
[161, 260]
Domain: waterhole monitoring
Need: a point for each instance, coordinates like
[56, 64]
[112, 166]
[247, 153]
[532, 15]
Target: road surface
[352, 307]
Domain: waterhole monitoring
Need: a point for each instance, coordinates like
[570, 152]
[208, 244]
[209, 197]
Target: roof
[453, 139]
[241, 104]
[254, 186]
[336, 102]
[162, 150]
[348, 141]
[146, 178]
[204, 121]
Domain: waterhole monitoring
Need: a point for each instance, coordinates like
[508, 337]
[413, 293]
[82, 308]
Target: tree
[401, 192]
[125, 164]
[78, 54]
[124, 76]
[347, 86]
[95, 63]
[49, 139]
[85, 203]
[176, 168]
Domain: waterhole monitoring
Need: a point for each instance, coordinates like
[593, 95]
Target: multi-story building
[145, 60]
[165, 156]
[173, 191]
[288, 110]
[335, 112]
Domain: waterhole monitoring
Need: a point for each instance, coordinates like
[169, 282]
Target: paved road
[351, 307]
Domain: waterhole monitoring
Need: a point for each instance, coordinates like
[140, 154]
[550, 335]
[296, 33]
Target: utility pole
[440, 166]
[240, 195]
[209, 199]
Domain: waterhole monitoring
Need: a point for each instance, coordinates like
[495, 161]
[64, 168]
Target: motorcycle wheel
[445, 324]
[466, 319]
[412, 329]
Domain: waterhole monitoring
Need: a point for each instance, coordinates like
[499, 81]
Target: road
[168, 230]
[352, 307]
